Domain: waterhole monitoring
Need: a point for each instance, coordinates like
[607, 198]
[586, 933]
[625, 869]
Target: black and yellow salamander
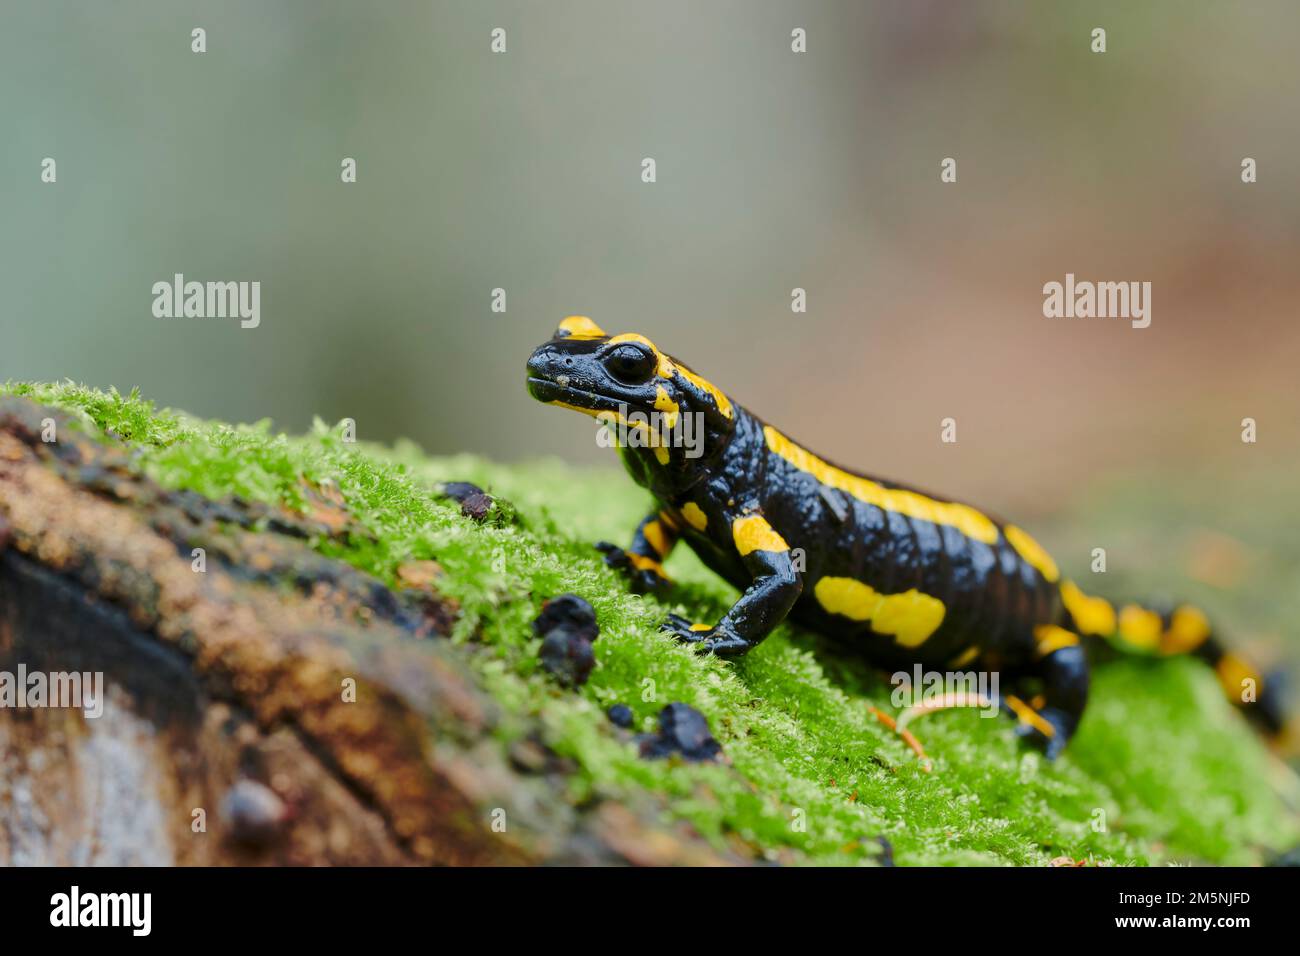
[906, 577]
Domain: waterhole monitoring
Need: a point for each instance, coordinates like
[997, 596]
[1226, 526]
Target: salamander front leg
[765, 603]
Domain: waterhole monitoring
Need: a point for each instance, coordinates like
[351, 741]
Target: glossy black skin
[993, 598]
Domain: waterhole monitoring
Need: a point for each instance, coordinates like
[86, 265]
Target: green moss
[1161, 759]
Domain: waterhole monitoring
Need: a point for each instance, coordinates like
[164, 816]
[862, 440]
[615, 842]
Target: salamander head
[625, 381]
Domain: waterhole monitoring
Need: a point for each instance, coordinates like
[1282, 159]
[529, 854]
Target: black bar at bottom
[332, 906]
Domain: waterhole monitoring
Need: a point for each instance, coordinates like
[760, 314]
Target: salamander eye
[630, 364]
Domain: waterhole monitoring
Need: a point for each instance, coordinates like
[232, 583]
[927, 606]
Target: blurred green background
[775, 170]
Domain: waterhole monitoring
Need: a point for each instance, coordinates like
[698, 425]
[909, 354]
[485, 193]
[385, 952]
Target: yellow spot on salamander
[1233, 673]
[611, 417]
[594, 413]
[650, 437]
[1033, 552]
[642, 563]
[719, 399]
[964, 518]
[753, 533]
[579, 327]
[701, 627]
[669, 521]
[1092, 615]
[664, 403]
[658, 538]
[965, 657]
[1139, 626]
[911, 617]
[695, 516]
[1027, 715]
[1188, 630]
[1051, 638]
[848, 598]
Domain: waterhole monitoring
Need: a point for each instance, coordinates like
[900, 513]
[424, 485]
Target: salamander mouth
[545, 390]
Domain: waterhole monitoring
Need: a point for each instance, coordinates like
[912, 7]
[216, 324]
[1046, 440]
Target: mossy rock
[1162, 769]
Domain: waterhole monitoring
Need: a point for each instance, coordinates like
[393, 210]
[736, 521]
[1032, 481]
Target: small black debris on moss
[683, 730]
[567, 626]
[460, 490]
[474, 501]
[569, 611]
[620, 715]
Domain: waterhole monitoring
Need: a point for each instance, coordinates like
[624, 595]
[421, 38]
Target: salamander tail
[1135, 629]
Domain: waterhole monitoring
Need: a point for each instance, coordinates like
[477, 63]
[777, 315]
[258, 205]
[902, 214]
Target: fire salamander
[904, 576]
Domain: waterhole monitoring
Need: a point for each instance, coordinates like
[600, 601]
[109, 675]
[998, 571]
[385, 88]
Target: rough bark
[225, 691]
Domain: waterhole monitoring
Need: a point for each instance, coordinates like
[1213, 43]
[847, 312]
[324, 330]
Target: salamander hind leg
[642, 563]
[1061, 666]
